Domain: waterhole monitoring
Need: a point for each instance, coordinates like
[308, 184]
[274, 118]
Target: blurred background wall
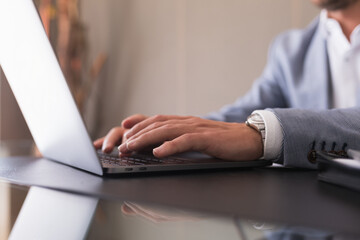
[182, 56]
[169, 56]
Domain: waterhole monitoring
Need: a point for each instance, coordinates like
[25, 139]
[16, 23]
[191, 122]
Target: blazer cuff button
[312, 156]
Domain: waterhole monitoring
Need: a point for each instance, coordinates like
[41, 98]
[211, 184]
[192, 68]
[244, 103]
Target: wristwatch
[256, 122]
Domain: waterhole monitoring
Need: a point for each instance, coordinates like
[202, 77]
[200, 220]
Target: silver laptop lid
[40, 89]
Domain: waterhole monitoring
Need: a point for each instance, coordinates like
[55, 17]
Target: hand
[157, 215]
[116, 135]
[177, 134]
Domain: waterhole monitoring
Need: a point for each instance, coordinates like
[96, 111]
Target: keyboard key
[136, 159]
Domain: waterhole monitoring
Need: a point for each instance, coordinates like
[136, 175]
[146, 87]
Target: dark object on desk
[340, 171]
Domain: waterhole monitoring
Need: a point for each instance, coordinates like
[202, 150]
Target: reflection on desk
[222, 203]
[50, 214]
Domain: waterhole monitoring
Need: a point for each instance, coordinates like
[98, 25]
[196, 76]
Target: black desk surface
[277, 195]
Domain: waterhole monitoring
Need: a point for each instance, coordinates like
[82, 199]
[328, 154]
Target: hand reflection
[157, 215]
[247, 229]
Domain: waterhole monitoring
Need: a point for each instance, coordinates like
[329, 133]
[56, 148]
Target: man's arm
[304, 131]
[177, 134]
[267, 92]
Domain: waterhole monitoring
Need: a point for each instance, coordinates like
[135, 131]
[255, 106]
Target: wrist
[273, 143]
[255, 143]
[256, 122]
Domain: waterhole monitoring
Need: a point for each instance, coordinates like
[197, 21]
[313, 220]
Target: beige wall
[182, 56]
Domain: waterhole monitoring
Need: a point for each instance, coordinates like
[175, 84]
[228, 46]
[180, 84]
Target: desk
[275, 195]
[76, 217]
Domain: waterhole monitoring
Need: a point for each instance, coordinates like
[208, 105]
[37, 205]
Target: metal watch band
[256, 122]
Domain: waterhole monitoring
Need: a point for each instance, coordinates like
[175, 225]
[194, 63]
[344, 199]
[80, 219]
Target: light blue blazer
[296, 86]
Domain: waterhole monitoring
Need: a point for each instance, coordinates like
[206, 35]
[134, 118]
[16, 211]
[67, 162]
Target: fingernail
[127, 134]
[156, 151]
[127, 145]
[103, 148]
[106, 149]
[122, 147]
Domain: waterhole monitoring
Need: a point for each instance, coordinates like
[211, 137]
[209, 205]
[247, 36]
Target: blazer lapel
[317, 72]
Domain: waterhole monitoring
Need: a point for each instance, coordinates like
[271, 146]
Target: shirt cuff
[273, 134]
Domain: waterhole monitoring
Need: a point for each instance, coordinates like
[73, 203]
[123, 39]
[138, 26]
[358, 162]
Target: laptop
[39, 86]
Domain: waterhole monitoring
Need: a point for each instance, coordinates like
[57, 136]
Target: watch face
[256, 118]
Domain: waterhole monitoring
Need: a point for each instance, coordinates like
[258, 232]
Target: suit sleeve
[306, 130]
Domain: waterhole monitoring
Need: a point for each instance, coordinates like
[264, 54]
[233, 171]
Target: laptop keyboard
[136, 159]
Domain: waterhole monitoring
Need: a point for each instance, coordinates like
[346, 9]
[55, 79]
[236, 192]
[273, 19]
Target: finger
[112, 139]
[184, 143]
[141, 125]
[189, 124]
[152, 137]
[125, 209]
[170, 124]
[124, 138]
[98, 143]
[133, 120]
